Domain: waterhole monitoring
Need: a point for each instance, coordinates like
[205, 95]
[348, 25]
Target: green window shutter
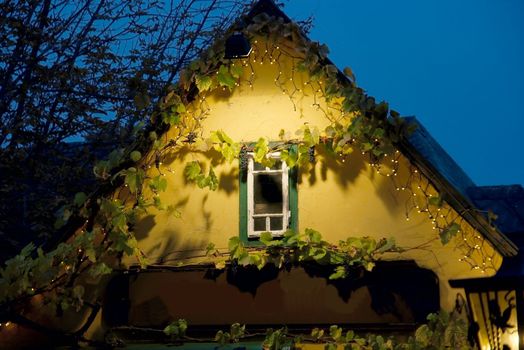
[293, 198]
[243, 206]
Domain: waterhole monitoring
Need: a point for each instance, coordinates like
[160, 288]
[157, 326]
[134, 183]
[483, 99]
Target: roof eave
[460, 203]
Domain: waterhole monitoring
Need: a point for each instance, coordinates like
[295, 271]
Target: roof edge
[456, 199]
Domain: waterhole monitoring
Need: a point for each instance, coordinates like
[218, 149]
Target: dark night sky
[457, 65]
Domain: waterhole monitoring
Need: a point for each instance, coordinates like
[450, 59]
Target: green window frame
[292, 201]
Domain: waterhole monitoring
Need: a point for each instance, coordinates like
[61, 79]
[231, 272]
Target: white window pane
[267, 191]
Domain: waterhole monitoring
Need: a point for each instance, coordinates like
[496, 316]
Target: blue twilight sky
[457, 65]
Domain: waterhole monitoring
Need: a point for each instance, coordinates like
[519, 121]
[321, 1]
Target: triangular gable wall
[351, 194]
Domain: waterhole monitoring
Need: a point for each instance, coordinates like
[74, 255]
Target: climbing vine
[296, 248]
[69, 276]
[443, 330]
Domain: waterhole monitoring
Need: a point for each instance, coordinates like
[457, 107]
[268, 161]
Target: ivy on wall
[69, 276]
[442, 331]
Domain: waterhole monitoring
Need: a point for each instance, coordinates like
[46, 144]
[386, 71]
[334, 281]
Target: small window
[268, 199]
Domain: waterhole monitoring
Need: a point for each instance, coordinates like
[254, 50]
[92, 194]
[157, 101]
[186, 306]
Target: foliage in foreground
[83, 70]
[104, 221]
[442, 331]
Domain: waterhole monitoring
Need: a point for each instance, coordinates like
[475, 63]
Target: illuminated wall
[339, 199]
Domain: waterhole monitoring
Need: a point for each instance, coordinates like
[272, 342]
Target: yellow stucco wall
[338, 199]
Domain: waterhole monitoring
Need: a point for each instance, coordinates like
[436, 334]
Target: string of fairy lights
[285, 57]
[476, 251]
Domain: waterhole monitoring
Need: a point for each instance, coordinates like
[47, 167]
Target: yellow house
[287, 149]
[414, 192]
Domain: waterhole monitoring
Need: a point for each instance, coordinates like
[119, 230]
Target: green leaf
[158, 183]
[260, 150]
[133, 178]
[219, 136]
[378, 133]
[243, 258]
[319, 254]
[135, 156]
[449, 232]
[369, 265]
[386, 245]
[236, 70]
[210, 248]
[266, 238]
[172, 330]
[350, 335]
[368, 244]
[203, 82]
[237, 331]
[80, 198]
[233, 244]
[115, 157]
[340, 272]
[258, 259]
[225, 78]
[171, 118]
[192, 170]
[91, 254]
[225, 145]
[313, 236]
[366, 146]
[180, 108]
[119, 221]
[176, 329]
[230, 152]
[303, 154]
[355, 242]
[317, 333]
[435, 201]
[290, 237]
[124, 243]
[289, 156]
[182, 326]
[423, 335]
[222, 338]
[335, 332]
[99, 269]
[311, 137]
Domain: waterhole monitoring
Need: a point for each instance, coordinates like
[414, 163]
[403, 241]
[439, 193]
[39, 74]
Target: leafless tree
[74, 70]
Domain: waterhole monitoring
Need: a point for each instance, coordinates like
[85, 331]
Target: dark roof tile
[433, 152]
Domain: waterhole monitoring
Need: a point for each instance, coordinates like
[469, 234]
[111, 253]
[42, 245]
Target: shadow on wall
[330, 168]
[394, 293]
[344, 173]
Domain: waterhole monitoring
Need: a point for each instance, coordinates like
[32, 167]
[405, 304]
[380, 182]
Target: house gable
[350, 192]
[361, 186]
